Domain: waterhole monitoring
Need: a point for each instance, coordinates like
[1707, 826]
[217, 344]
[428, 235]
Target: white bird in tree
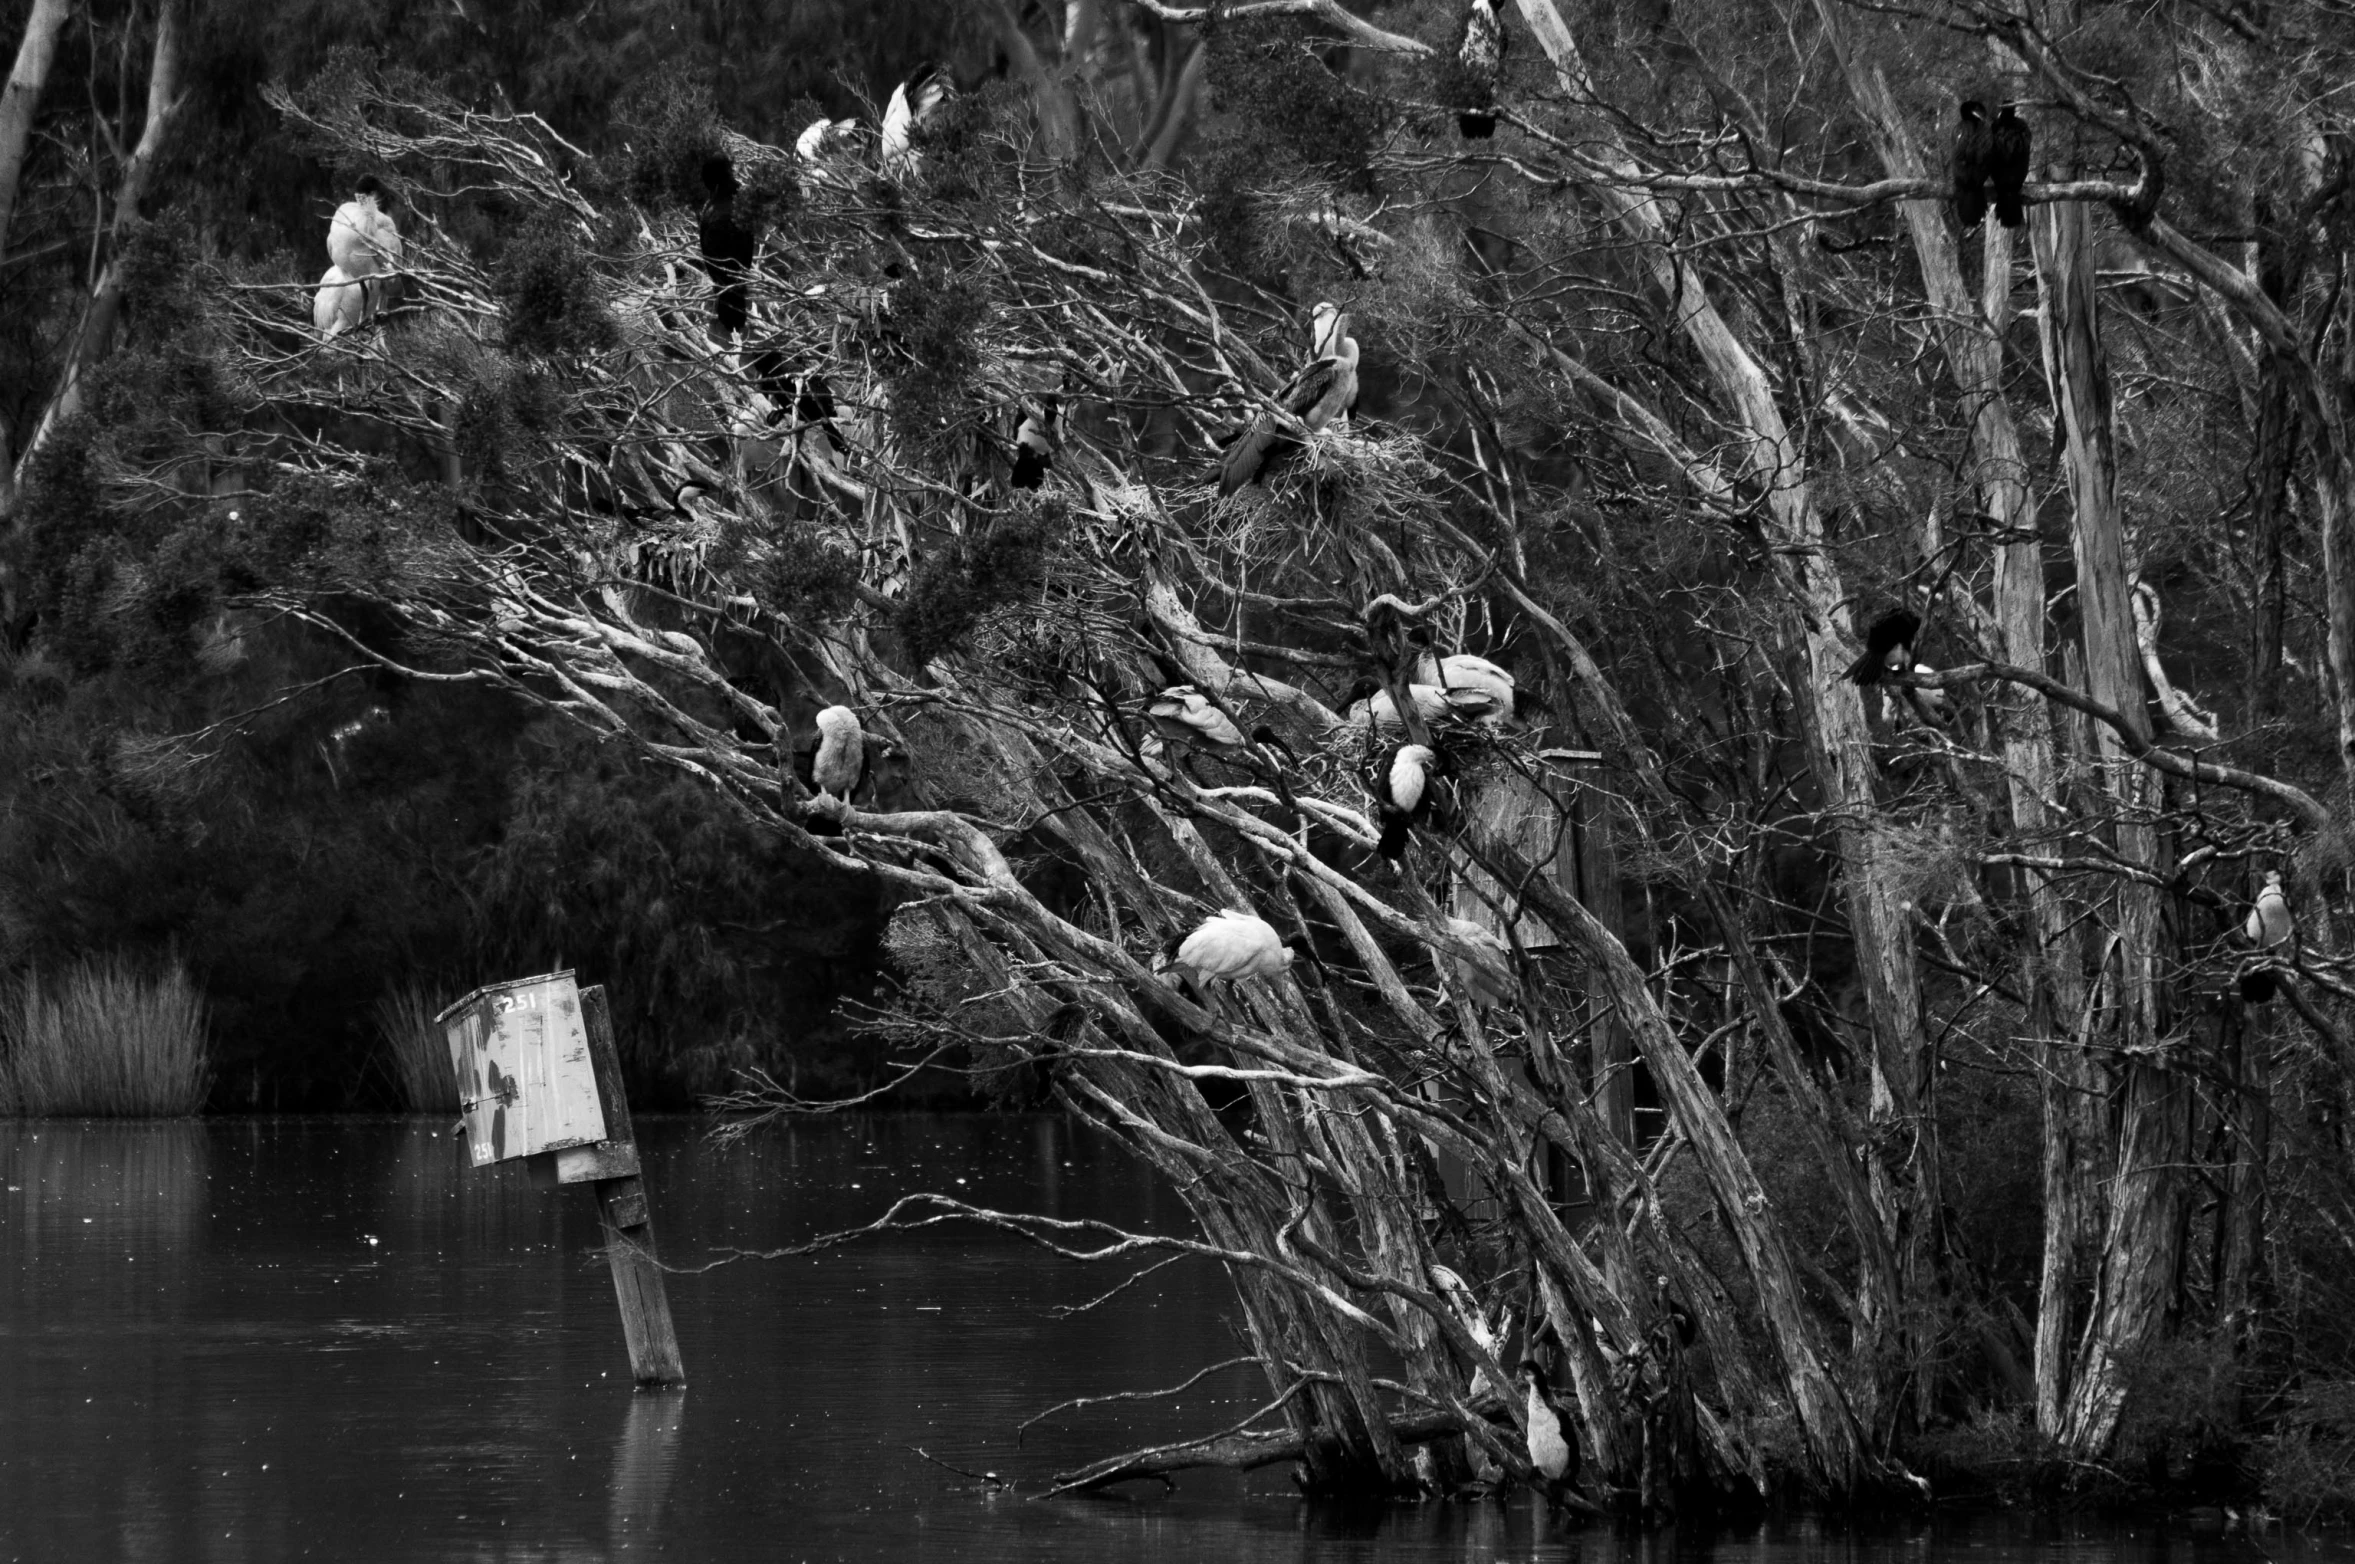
[1472, 685]
[1183, 712]
[1487, 973]
[1369, 702]
[365, 243]
[1402, 794]
[1234, 945]
[841, 760]
[1483, 52]
[1035, 442]
[1320, 393]
[2269, 928]
[823, 137]
[1553, 1441]
[340, 304]
[912, 103]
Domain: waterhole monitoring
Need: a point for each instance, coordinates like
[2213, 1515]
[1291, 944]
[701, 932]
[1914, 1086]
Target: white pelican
[1183, 712]
[339, 305]
[842, 753]
[1320, 393]
[1487, 974]
[365, 242]
[912, 103]
[1553, 1440]
[1234, 945]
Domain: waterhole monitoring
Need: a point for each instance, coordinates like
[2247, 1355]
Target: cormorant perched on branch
[728, 247]
[2269, 928]
[1972, 144]
[1402, 791]
[2007, 166]
[1482, 54]
[1034, 443]
[1317, 395]
[1888, 647]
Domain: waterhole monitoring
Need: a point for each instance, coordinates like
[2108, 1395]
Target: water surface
[330, 1338]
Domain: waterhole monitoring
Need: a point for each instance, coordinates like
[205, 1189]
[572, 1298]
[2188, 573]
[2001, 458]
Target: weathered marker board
[526, 1083]
[539, 1078]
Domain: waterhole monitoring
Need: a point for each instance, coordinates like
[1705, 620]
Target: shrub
[417, 1050]
[110, 1038]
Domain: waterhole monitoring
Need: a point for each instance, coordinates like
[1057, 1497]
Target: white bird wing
[336, 306]
[347, 240]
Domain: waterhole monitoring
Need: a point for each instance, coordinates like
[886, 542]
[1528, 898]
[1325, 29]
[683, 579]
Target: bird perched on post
[2269, 928]
[365, 243]
[1888, 647]
[1233, 945]
[1321, 392]
[841, 761]
[1971, 147]
[1184, 713]
[1553, 1437]
[912, 103]
[728, 246]
[1402, 789]
[1035, 441]
[2007, 166]
[1483, 52]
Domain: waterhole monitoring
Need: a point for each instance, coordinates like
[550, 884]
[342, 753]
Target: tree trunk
[23, 98]
[2142, 1238]
[100, 316]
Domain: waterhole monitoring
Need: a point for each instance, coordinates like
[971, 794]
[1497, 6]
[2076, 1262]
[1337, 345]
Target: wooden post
[621, 1207]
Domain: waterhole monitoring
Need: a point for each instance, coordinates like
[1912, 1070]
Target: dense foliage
[1862, 1084]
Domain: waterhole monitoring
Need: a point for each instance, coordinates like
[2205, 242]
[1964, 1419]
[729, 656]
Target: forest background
[1898, 1050]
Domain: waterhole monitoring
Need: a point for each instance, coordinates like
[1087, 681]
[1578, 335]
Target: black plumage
[2259, 986]
[1034, 444]
[728, 247]
[1403, 787]
[2007, 166]
[1481, 55]
[1972, 145]
[1888, 646]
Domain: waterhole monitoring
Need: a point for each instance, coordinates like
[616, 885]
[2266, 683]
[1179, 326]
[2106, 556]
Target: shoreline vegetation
[109, 1037]
[1692, 786]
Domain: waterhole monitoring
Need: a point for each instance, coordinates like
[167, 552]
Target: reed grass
[419, 1052]
[109, 1037]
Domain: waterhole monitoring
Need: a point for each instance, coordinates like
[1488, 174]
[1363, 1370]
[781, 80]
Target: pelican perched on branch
[841, 761]
[365, 243]
[2269, 928]
[1233, 945]
[1184, 713]
[1320, 393]
[912, 103]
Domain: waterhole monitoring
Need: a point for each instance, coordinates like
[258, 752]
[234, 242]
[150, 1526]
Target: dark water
[278, 1339]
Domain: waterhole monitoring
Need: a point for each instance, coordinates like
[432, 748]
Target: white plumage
[1371, 703]
[907, 110]
[821, 137]
[1234, 945]
[340, 304]
[364, 242]
[1487, 974]
[842, 752]
[1183, 712]
[1549, 1446]
[2269, 924]
[1410, 775]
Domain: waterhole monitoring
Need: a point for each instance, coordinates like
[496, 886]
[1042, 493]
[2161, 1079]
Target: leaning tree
[1661, 1049]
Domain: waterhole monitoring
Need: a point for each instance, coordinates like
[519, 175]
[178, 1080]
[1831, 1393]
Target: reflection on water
[261, 1339]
